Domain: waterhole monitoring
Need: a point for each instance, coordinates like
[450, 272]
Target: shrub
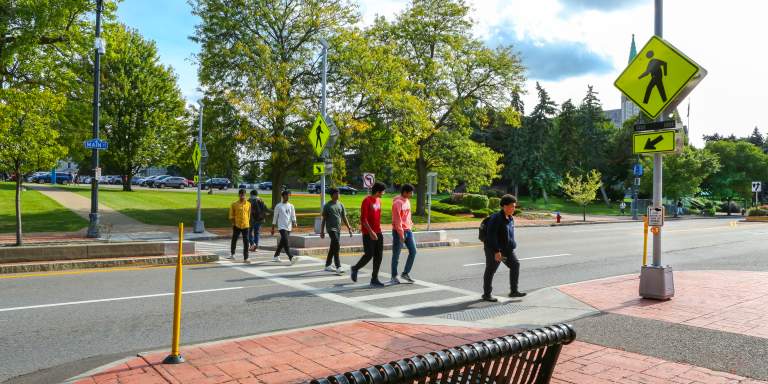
[353, 215]
[447, 200]
[494, 193]
[758, 212]
[735, 208]
[449, 208]
[457, 198]
[481, 213]
[709, 212]
[475, 201]
[494, 203]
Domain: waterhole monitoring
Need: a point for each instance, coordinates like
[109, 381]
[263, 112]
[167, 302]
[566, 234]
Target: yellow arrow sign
[319, 134]
[318, 168]
[654, 142]
[659, 77]
[196, 156]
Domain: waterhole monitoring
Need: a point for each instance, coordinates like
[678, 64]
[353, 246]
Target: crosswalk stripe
[396, 294]
[436, 303]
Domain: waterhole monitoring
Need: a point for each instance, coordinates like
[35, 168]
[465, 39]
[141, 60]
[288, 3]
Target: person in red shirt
[373, 240]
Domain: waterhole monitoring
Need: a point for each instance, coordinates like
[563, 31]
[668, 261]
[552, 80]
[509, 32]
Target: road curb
[104, 263]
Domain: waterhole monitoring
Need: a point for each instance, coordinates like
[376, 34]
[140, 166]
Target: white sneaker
[340, 270]
[330, 269]
[276, 259]
[292, 260]
[230, 257]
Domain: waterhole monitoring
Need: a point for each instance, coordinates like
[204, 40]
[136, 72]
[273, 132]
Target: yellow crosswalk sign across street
[319, 134]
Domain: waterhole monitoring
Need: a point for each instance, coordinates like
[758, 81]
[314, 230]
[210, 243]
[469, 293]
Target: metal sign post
[197, 159]
[431, 188]
[99, 48]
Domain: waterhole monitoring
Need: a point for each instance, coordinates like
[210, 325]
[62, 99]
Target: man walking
[333, 215]
[285, 219]
[499, 246]
[239, 216]
[258, 214]
[402, 234]
[373, 240]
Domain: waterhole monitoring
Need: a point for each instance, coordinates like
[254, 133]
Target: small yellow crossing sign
[654, 141]
[319, 134]
[318, 168]
[196, 156]
[659, 77]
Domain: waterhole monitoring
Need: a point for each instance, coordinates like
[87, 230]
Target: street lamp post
[199, 225]
[93, 225]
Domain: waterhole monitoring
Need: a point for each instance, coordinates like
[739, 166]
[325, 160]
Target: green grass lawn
[567, 206]
[168, 208]
[39, 213]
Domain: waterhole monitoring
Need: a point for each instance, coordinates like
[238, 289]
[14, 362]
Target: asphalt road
[55, 325]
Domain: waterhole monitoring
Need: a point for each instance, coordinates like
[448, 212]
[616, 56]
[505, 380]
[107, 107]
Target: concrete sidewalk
[713, 331]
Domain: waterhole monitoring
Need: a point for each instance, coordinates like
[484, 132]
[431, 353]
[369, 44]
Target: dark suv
[61, 178]
[220, 183]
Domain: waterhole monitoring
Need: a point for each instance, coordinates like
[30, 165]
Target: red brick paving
[299, 356]
[730, 301]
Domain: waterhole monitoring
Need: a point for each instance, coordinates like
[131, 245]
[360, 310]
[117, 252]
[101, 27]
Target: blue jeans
[253, 234]
[397, 245]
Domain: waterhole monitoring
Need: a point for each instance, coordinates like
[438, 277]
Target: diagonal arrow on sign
[651, 144]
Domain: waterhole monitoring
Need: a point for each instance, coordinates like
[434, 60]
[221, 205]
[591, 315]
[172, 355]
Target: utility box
[656, 283]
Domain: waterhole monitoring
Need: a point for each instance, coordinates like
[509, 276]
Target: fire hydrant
[558, 217]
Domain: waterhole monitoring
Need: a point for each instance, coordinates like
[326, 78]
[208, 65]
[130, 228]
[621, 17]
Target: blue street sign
[638, 170]
[96, 144]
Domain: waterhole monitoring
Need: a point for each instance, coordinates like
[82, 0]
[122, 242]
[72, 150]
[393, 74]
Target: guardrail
[525, 357]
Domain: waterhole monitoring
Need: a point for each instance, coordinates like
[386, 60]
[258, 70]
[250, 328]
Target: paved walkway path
[299, 356]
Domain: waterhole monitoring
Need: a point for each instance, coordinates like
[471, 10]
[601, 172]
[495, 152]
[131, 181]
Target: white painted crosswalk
[307, 275]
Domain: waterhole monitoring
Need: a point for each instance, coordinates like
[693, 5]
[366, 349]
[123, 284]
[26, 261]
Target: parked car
[347, 190]
[218, 182]
[61, 178]
[136, 180]
[191, 183]
[314, 187]
[267, 185]
[84, 179]
[174, 181]
[146, 182]
[248, 185]
[33, 178]
[154, 182]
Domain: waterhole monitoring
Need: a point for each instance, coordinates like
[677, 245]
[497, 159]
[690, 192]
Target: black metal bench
[525, 357]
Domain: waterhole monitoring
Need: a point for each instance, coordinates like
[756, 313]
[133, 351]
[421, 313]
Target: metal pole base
[199, 226]
[657, 283]
[318, 221]
[93, 226]
[173, 359]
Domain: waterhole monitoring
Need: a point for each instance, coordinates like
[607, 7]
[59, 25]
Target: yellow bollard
[645, 240]
[175, 356]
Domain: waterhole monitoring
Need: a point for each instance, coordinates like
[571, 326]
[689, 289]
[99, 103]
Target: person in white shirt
[285, 219]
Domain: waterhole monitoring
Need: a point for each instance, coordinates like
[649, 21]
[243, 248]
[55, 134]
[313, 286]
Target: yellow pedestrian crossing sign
[318, 168]
[196, 157]
[654, 141]
[659, 77]
[319, 134]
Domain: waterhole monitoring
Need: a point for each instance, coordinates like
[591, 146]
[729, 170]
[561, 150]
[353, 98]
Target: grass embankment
[566, 206]
[39, 213]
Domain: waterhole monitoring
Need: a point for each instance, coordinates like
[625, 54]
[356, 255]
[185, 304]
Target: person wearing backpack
[258, 214]
[498, 236]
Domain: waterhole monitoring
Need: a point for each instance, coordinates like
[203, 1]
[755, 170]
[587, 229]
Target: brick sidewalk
[729, 301]
[299, 356]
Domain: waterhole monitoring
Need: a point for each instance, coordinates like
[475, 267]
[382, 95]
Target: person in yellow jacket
[240, 216]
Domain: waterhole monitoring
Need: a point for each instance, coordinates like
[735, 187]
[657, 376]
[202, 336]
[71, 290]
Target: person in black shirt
[499, 246]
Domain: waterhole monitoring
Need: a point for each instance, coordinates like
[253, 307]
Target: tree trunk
[728, 208]
[517, 190]
[605, 195]
[127, 181]
[546, 198]
[278, 175]
[421, 187]
[584, 213]
[19, 180]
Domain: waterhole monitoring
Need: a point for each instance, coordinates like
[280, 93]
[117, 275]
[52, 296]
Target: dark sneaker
[489, 299]
[394, 281]
[517, 294]
[376, 284]
[407, 278]
[353, 273]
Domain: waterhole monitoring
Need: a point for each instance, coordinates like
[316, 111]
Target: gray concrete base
[322, 251]
[657, 283]
[103, 263]
[91, 250]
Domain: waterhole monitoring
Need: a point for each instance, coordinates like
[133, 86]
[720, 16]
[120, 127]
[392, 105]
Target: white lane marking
[116, 299]
[302, 286]
[396, 294]
[525, 258]
[326, 278]
[464, 292]
[437, 303]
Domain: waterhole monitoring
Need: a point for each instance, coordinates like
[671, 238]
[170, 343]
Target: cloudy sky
[566, 45]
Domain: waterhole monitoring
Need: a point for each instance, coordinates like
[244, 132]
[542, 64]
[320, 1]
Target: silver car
[174, 182]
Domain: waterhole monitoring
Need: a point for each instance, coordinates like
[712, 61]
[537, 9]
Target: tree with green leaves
[582, 189]
[757, 138]
[28, 140]
[143, 116]
[449, 70]
[683, 172]
[741, 163]
[568, 147]
[260, 55]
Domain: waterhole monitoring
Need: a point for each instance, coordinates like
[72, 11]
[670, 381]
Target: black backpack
[258, 210]
[483, 230]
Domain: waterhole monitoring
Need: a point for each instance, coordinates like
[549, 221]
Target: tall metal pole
[93, 225]
[199, 225]
[657, 160]
[323, 110]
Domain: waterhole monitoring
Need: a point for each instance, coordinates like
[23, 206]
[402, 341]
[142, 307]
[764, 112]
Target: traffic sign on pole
[654, 142]
[196, 156]
[318, 168]
[659, 77]
[319, 134]
[757, 186]
[96, 144]
[368, 180]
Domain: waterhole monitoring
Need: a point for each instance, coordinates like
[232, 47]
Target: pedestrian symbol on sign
[757, 186]
[654, 69]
